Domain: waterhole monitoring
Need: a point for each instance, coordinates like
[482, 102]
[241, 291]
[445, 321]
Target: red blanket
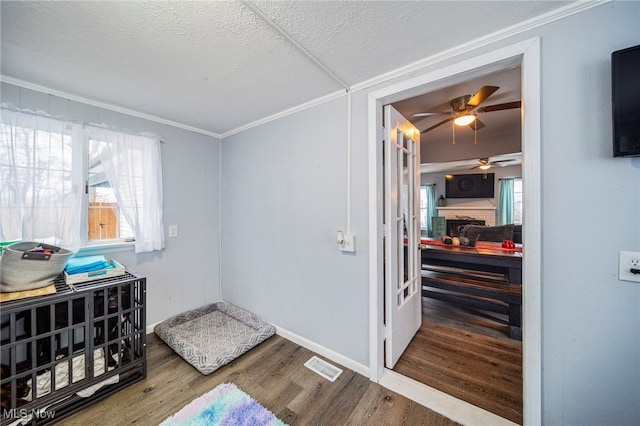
[479, 245]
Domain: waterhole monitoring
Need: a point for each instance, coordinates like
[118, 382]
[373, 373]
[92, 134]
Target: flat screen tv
[469, 186]
[625, 93]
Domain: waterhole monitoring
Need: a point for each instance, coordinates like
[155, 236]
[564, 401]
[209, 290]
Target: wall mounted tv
[625, 94]
[469, 186]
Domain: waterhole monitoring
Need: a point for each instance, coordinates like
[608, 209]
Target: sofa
[496, 233]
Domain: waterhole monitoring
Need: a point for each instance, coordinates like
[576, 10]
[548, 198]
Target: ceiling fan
[485, 164]
[464, 109]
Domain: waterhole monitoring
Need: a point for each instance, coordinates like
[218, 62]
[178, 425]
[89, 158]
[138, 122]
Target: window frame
[86, 243]
[423, 210]
[518, 182]
[81, 183]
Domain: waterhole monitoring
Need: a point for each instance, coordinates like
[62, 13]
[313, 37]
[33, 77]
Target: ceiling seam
[518, 28]
[569, 10]
[333, 75]
[294, 42]
[486, 40]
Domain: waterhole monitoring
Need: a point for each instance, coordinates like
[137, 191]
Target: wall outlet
[628, 261]
[173, 231]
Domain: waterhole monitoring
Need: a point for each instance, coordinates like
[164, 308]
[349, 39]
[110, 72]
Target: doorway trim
[527, 55]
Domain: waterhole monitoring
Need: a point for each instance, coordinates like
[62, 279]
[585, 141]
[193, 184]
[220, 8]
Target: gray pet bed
[214, 335]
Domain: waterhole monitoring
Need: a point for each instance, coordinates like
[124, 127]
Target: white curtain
[133, 167]
[40, 178]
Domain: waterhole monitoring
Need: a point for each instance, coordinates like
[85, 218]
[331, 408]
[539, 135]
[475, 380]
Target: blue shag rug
[224, 405]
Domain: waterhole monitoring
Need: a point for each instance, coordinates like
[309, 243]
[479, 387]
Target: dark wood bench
[486, 291]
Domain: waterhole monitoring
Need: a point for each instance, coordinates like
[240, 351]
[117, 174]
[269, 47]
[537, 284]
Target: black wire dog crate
[66, 350]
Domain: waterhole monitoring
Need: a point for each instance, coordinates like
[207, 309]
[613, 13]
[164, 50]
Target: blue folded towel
[78, 265]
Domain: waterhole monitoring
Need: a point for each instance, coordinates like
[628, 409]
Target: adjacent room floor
[467, 354]
[274, 374]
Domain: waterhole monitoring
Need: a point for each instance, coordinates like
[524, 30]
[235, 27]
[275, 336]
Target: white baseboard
[325, 352]
[312, 346]
[150, 327]
[440, 402]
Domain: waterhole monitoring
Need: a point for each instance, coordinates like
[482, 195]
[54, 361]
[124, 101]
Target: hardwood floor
[273, 373]
[468, 355]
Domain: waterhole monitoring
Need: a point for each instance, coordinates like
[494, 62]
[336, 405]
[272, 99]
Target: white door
[403, 303]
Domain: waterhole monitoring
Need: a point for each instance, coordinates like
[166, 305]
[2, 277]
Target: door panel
[402, 234]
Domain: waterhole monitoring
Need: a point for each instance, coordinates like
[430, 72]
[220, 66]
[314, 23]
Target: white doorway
[526, 55]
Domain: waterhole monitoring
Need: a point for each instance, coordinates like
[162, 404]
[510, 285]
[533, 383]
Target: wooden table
[503, 280]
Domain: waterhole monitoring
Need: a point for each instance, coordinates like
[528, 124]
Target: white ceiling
[218, 66]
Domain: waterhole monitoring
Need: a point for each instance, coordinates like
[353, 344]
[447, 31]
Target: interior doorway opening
[468, 344]
[526, 55]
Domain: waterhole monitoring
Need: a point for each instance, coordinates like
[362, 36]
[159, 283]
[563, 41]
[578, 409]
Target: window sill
[106, 249]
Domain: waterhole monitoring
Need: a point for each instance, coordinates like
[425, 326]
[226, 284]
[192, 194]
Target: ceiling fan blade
[436, 125]
[428, 114]
[481, 95]
[477, 124]
[501, 163]
[500, 107]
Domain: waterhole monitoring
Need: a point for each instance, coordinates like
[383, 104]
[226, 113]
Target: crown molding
[571, 9]
[568, 10]
[103, 105]
[290, 111]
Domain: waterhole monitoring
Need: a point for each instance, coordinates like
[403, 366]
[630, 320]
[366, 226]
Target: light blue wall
[186, 273]
[283, 198]
[591, 210]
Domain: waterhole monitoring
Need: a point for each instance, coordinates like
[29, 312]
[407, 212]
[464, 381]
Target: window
[38, 161]
[106, 219]
[73, 185]
[517, 201]
[427, 209]
[424, 228]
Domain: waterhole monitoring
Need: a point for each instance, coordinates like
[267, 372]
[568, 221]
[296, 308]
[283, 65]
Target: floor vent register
[323, 368]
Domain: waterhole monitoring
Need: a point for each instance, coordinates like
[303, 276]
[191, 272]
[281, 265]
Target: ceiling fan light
[464, 120]
[485, 166]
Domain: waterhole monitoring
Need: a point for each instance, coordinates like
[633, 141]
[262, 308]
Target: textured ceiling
[218, 66]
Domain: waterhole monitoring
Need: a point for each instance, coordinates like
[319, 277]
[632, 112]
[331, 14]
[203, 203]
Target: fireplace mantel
[466, 208]
[485, 213]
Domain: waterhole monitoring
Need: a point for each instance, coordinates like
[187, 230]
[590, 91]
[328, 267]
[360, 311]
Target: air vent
[323, 368]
